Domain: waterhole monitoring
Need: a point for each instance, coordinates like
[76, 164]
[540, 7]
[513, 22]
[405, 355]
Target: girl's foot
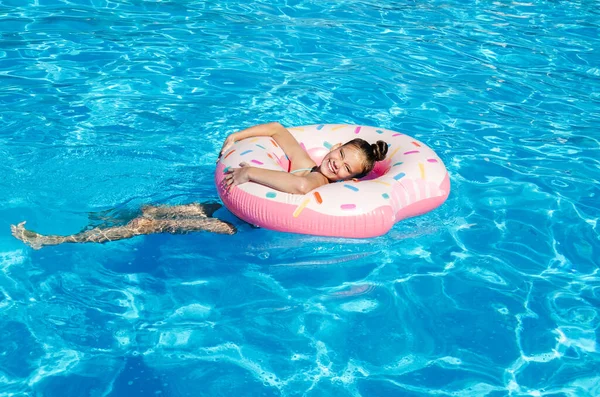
[34, 240]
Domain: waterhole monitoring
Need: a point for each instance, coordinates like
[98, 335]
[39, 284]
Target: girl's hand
[236, 176]
[227, 144]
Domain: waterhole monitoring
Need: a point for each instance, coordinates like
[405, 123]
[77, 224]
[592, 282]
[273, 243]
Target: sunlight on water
[112, 104]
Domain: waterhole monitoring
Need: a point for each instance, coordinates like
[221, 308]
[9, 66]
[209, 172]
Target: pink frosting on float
[425, 205]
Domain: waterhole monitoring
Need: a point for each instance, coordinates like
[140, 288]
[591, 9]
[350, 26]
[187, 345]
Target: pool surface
[110, 105]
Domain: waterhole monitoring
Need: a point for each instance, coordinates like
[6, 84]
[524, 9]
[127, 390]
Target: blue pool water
[110, 105]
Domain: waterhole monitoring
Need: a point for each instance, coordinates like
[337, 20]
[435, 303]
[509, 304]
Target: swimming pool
[109, 105]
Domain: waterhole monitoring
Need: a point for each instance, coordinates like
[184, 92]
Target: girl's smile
[341, 163]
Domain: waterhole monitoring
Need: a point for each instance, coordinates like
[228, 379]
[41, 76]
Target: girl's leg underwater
[146, 224]
[180, 211]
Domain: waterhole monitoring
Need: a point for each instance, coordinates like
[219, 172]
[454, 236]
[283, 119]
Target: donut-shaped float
[411, 181]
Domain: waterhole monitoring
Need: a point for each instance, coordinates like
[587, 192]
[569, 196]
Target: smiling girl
[353, 159]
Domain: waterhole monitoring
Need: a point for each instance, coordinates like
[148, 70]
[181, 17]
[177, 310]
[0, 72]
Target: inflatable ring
[412, 180]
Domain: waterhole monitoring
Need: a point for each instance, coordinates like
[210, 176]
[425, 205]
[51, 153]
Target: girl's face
[341, 163]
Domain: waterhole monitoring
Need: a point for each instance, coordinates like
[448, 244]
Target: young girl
[354, 159]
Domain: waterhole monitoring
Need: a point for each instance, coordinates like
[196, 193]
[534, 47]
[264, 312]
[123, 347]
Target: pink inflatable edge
[278, 216]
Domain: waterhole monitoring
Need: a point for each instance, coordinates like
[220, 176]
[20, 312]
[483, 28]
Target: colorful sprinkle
[385, 196]
[327, 145]
[357, 130]
[246, 152]
[398, 163]
[379, 131]
[300, 208]
[303, 146]
[397, 134]
[318, 197]
[271, 195]
[274, 143]
[270, 156]
[422, 168]
[353, 188]
[261, 146]
[416, 144]
[338, 127]
[257, 162]
[229, 154]
[320, 127]
[394, 152]
[254, 140]
[399, 176]
[346, 207]
[226, 170]
[412, 152]
[432, 161]
[381, 182]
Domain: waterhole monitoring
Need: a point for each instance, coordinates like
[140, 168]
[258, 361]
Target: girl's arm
[290, 146]
[278, 180]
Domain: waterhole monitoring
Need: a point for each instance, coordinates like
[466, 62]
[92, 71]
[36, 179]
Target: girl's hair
[372, 153]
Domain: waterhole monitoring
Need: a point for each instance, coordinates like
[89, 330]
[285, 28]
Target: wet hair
[371, 152]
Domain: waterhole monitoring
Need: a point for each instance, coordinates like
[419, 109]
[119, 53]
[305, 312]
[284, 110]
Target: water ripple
[109, 105]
